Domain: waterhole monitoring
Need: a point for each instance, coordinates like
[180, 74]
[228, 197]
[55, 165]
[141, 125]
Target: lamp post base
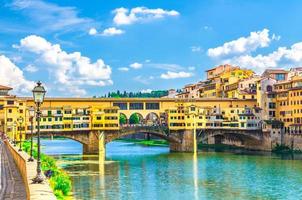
[30, 159]
[20, 150]
[38, 179]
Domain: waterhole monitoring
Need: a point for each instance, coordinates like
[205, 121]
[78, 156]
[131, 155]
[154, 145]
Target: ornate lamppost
[31, 118]
[38, 94]
[20, 120]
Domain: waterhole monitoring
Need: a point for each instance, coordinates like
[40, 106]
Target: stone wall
[28, 172]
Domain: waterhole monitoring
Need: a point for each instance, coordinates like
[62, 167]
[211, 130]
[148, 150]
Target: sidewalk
[11, 183]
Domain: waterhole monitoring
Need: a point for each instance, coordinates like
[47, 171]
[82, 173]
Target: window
[98, 118]
[280, 77]
[136, 106]
[272, 105]
[122, 106]
[10, 110]
[152, 106]
[67, 112]
[10, 102]
[269, 88]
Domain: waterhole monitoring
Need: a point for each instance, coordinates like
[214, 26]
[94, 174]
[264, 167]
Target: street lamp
[31, 111]
[38, 94]
[14, 134]
[20, 120]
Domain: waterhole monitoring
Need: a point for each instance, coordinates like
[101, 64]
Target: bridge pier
[186, 144]
[92, 145]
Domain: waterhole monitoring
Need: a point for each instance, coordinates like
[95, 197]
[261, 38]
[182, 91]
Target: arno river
[138, 172]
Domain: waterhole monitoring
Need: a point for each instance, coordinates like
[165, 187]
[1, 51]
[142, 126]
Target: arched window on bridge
[152, 119]
[136, 118]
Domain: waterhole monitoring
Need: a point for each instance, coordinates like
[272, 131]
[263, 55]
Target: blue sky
[84, 49]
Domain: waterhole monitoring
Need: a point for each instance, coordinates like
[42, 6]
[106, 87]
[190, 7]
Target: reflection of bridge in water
[94, 141]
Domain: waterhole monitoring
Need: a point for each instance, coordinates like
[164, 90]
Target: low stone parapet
[28, 172]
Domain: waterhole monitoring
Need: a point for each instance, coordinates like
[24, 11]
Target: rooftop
[2, 87]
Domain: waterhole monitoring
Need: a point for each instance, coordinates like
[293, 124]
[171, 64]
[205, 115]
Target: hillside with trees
[152, 94]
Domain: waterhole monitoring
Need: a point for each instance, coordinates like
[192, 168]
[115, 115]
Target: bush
[60, 181]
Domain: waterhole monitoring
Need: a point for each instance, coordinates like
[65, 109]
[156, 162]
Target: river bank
[163, 143]
[59, 180]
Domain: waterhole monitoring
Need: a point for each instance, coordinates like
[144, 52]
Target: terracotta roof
[275, 71]
[2, 87]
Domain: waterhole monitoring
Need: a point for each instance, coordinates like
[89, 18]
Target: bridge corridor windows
[122, 106]
[152, 106]
[136, 106]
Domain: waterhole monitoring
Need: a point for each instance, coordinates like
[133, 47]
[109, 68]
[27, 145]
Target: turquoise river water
[139, 172]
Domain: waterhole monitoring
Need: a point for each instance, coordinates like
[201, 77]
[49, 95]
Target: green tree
[134, 119]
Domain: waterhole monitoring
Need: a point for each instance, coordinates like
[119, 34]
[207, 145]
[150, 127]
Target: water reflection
[136, 172]
[195, 175]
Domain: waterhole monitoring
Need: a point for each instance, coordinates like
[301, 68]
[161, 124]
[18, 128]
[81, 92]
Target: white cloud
[112, 31]
[174, 75]
[136, 65]
[70, 70]
[276, 37]
[282, 57]
[195, 48]
[50, 17]
[124, 69]
[92, 31]
[242, 45]
[12, 76]
[107, 32]
[31, 68]
[140, 14]
[146, 91]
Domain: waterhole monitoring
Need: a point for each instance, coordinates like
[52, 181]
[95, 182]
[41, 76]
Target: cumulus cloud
[112, 31]
[174, 75]
[242, 45]
[71, 70]
[107, 32]
[239, 52]
[282, 57]
[31, 68]
[136, 65]
[125, 16]
[92, 31]
[124, 69]
[12, 76]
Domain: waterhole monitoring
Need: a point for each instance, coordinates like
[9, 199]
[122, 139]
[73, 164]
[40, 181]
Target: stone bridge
[253, 139]
[180, 141]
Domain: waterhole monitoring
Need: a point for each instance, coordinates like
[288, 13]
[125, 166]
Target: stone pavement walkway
[11, 183]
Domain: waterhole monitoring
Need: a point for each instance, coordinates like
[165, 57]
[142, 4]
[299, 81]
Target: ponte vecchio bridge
[97, 121]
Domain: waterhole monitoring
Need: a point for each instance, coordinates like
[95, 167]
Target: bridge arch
[156, 131]
[242, 137]
[152, 118]
[123, 119]
[136, 118]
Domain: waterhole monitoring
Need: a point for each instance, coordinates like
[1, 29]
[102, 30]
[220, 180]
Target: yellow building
[289, 104]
